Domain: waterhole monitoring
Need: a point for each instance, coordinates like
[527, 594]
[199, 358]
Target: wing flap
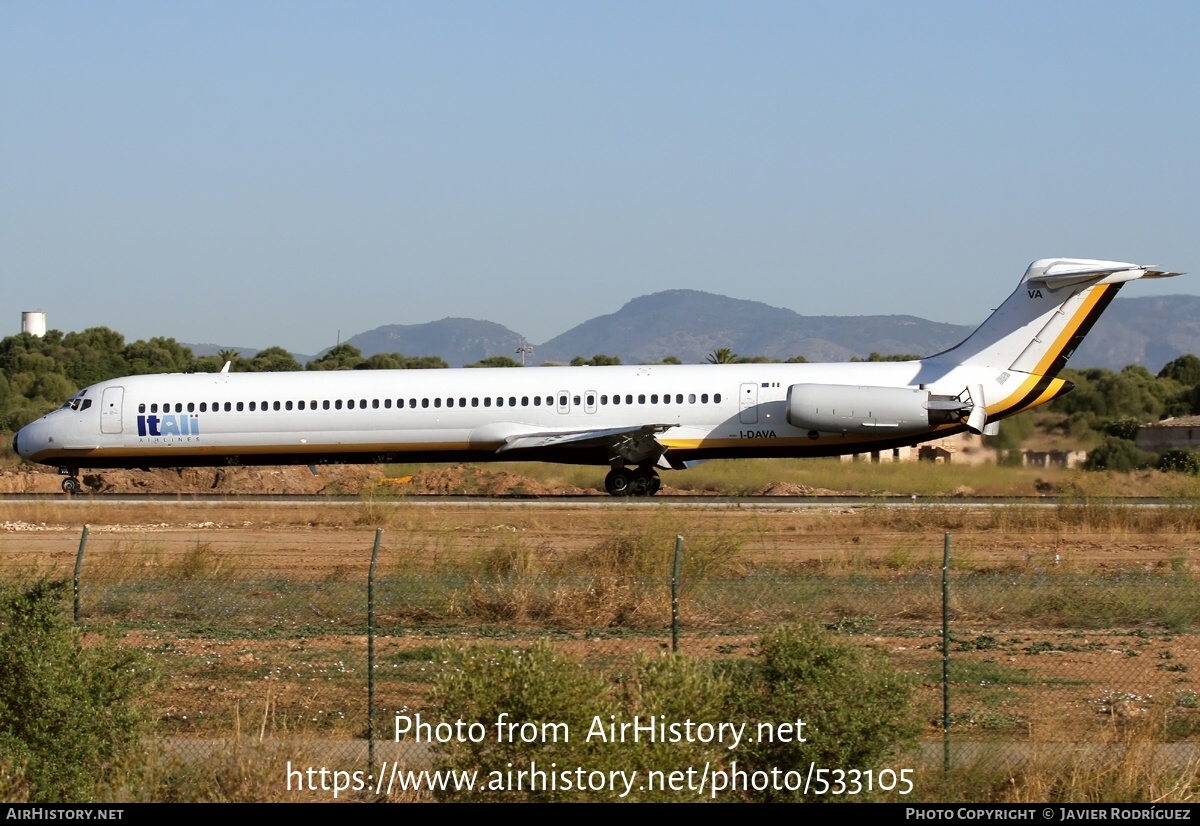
[635, 445]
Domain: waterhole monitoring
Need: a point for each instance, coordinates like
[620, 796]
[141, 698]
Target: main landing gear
[623, 481]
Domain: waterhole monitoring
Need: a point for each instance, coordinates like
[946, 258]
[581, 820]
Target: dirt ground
[1029, 677]
[330, 480]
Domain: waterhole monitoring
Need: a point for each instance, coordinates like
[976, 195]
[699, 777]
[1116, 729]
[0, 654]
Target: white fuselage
[459, 414]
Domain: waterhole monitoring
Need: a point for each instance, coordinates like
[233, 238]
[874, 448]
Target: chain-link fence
[271, 664]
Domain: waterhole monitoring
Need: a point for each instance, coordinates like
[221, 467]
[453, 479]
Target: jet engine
[838, 408]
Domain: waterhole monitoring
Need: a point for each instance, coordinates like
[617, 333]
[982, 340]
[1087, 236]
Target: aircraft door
[749, 404]
[110, 409]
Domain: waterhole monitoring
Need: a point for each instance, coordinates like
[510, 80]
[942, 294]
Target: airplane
[633, 419]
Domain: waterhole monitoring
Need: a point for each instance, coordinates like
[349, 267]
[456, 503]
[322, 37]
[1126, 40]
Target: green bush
[69, 715]
[537, 686]
[1119, 455]
[856, 708]
[1179, 461]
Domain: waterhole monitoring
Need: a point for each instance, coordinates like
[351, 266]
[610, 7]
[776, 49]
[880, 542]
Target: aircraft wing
[635, 445]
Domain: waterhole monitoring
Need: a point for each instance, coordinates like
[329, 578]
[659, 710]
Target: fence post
[371, 656]
[675, 596]
[946, 654]
[78, 568]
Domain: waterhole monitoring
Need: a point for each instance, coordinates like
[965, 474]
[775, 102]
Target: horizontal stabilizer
[1057, 273]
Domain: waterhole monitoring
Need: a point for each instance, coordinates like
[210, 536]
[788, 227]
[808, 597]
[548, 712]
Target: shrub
[1120, 455]
[856, 708]
[1179, 461]
[536, 685]
[69, 714]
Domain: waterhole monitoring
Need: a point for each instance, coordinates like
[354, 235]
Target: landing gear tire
[70, 485]
[645, 482]
[618, 481]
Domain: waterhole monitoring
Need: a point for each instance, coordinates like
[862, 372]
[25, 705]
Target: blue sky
[259, 173]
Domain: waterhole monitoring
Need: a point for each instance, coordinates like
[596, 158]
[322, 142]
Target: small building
[1054, 458]
[1179, 433]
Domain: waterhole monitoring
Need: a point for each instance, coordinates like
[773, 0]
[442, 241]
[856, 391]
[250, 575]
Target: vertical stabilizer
[1054, 306]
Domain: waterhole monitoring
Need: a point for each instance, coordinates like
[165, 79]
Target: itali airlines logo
[169, 424]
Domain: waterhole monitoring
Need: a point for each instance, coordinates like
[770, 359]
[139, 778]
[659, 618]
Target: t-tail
[1029, 338]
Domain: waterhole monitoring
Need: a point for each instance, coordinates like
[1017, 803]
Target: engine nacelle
[840, 408]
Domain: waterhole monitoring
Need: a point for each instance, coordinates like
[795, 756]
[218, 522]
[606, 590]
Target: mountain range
[689, 325]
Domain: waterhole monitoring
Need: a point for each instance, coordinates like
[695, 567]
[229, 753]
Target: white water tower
[34, 323]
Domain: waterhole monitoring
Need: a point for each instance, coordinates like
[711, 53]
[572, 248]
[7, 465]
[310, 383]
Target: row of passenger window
[564, 401]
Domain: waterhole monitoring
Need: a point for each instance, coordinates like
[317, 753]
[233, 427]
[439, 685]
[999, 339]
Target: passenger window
[350, 404]
[616, 399]
[487, 401]
[362, 403]
[641, 398]
[653, 398]
[275, 406]
[716, 398]
[691, 398]
[499, 401]
[375, 404]
[678, 398]
[325, 404]
[300, 404]
[288, 405]
[337, 404]
[142, 407]
[576, 401]
[475, 402]
[537, 401]
[450, 402]
[387, 404]
[437, 402]
[178, 407]
[424, 402]
[704, 398]
[591, 400]
[191, 408]
[253, 407]
[240, 407]
[562, 401]
[628, 398]
[203, 407]
[512, 401]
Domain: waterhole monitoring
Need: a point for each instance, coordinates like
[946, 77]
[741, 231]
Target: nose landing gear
[623, 481]
[71, 483]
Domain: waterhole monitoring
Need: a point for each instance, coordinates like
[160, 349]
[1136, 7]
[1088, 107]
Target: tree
[722, 355]
[273, 360]
[496, 361]
[1185, 370]
[341, 357]
[598, 360]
